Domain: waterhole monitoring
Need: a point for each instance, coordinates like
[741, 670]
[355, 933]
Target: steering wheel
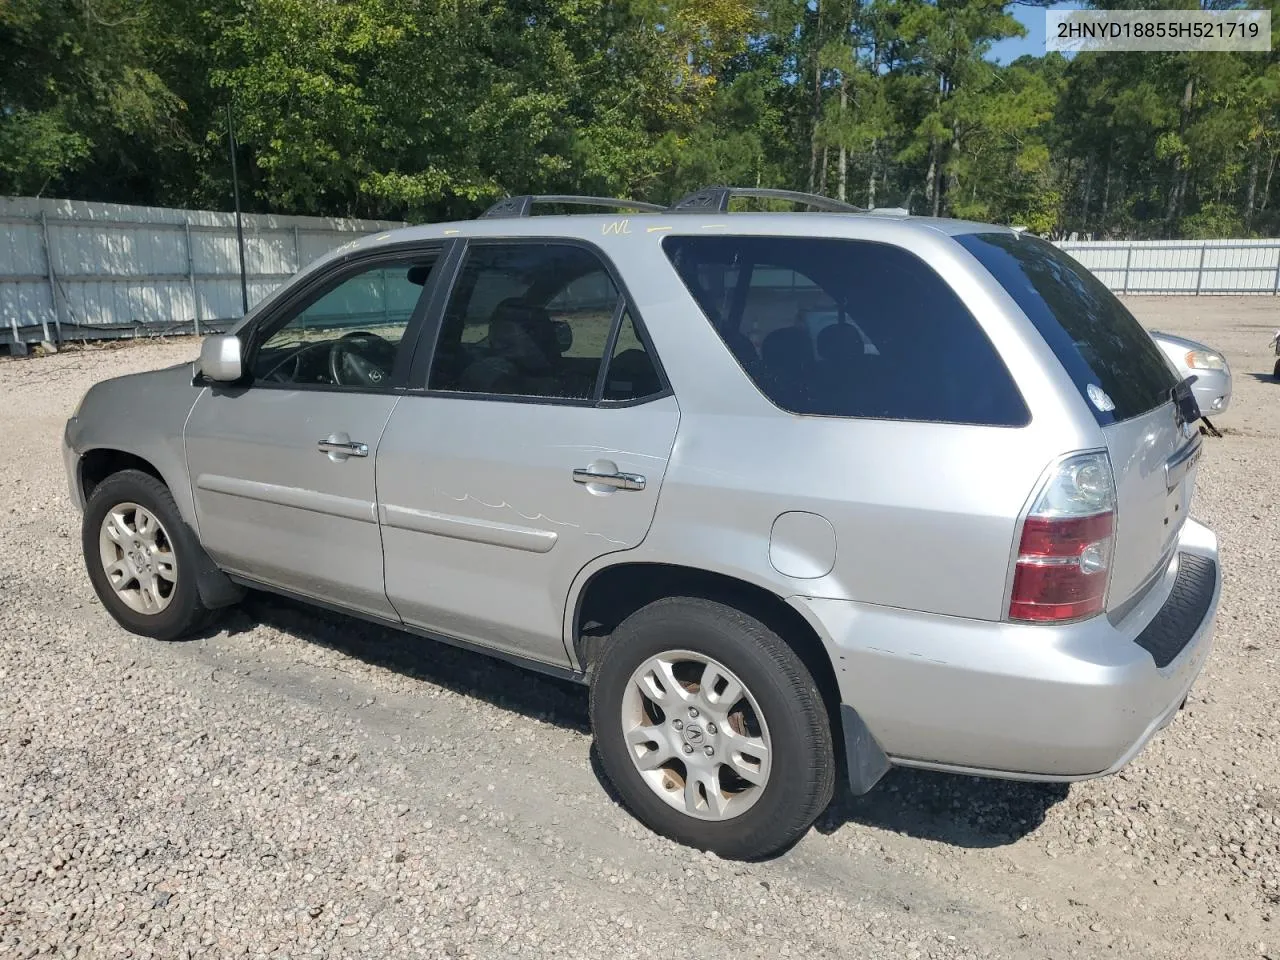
[349, 369]
[278, 374]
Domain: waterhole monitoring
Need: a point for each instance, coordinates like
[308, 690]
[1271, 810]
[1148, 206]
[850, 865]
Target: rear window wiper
[1184, 401]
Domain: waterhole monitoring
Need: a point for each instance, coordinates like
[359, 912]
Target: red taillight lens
[1062, 568]
[1063, 536]
[1064, 549]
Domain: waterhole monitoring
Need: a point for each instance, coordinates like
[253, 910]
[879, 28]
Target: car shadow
[962, 811]
[1263, 377]
[957, 810]
[464, 672]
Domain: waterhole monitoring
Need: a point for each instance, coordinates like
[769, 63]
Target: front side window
[348, 336]
[534, 320]
[847, 328]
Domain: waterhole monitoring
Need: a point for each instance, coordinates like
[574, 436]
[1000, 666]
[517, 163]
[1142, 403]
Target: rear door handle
[343, 448]
[623, 481]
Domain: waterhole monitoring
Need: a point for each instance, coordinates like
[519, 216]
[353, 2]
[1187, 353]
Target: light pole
[235, 191]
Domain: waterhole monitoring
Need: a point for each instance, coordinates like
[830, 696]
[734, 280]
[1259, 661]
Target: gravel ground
[300, 784]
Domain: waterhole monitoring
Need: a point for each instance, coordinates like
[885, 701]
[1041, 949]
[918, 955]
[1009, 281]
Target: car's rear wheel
[142, 557]
[711, 729]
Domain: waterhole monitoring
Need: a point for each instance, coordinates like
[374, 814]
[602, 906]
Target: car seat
[843, 369]
[522, 350]
[789, 363]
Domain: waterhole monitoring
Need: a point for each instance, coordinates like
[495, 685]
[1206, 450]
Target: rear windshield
[1091, 332]
[847, 328]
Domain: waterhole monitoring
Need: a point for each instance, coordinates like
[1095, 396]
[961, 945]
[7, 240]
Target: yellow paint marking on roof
[449, 232]
[656, 229]
[714, 226]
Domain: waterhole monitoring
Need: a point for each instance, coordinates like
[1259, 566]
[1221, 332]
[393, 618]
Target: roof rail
[716, 200]
[522, 206]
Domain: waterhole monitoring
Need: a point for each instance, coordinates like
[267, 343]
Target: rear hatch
[1126, 383]
[1155, 470]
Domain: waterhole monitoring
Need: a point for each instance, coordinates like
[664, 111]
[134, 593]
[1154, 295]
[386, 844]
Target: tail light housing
[1065, 544]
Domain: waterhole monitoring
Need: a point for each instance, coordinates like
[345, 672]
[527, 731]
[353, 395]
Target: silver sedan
[1212, 386]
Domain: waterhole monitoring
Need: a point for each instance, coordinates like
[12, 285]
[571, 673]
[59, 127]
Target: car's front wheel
[711, 729]
[142, 557]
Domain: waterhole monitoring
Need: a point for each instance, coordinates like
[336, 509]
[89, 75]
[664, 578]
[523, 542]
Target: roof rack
[716, 200]
[522, 206]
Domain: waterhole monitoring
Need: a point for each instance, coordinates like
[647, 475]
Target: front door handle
[622, 481]
[343, 448]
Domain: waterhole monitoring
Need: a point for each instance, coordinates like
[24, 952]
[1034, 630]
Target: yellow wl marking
[618, 227]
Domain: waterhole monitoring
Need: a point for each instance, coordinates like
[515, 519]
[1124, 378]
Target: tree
[414, 109]
[77, 94]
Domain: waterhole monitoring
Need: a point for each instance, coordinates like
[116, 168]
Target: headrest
[524, 334]
[788, 346]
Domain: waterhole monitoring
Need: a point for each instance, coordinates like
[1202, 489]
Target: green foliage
[1213, 220]
[76, 84]
[425, 109]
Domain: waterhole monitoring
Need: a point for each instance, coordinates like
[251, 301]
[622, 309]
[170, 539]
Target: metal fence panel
[1190, 267]
[111, 269]
[100, 268]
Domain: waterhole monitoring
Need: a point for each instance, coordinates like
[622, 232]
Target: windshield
[1091, 332]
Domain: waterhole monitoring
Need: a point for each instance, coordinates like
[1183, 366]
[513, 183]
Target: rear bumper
[1026, 701]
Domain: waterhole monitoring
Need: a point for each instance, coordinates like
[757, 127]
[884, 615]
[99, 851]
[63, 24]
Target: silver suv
[797, 494]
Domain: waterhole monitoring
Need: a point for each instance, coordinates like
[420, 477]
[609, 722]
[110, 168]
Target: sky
[1006, 51]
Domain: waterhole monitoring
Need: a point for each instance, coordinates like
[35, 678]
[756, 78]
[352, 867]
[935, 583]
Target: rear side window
[1090, 331]
[526, 320]
[847, 328]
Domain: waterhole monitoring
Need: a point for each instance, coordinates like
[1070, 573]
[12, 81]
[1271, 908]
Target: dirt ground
[303, 784]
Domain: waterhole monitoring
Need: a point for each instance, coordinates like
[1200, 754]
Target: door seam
[377, 505]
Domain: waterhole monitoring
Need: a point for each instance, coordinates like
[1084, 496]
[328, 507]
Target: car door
[540, 444]
[282, 464]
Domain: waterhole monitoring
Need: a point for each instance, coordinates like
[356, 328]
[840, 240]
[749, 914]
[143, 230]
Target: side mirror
[564, 335]
[221, 359]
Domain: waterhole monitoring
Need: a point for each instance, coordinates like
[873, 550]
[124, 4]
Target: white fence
[1182, 266]
[72, 269]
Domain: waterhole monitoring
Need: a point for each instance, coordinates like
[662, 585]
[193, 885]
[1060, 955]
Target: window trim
[610, 345]
[1027, 419]
[429, 338]
[325, 281]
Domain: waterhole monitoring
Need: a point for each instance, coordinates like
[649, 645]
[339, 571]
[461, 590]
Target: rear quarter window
[847, 328]
[1093, 335]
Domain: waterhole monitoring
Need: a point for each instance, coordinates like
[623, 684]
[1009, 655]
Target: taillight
[1064, 549]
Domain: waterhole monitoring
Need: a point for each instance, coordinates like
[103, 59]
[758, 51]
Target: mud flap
[865, 760]
[216, 588]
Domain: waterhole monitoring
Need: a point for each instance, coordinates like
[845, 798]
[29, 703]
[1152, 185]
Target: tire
[793, 719]
[1275, 371]
[177, 610]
